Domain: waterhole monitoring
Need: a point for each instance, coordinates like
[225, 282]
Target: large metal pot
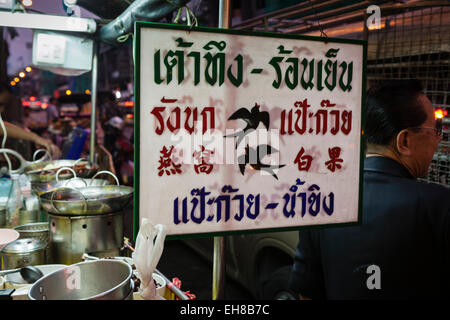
[23, 252]
[89, 280]
[71, 236]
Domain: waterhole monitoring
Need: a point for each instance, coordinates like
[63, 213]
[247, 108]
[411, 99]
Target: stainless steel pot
[23, 252]
[71, 236]
[89, 280]
[86, 201]
[38, 230]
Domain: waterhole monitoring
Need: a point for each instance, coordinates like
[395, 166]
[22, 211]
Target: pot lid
[24, 246]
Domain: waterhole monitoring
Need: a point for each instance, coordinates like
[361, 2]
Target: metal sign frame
[137, 56]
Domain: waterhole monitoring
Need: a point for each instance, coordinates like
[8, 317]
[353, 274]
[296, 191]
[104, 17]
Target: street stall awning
[47, 22]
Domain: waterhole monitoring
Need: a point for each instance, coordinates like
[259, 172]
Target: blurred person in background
[52, 111]
[108, 109]
[12, 116]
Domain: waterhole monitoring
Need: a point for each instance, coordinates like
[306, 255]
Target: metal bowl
[89, 280]
[86, 201]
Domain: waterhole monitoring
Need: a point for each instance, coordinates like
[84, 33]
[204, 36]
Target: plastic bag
[146, 255]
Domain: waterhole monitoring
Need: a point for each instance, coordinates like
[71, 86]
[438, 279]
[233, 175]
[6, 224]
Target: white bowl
[7, 236]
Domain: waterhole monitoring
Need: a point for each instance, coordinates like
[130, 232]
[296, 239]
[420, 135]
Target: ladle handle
[76, 190]
[23, 162]
[47, 153]
[107, 172]
[5, 272]
[65, 169]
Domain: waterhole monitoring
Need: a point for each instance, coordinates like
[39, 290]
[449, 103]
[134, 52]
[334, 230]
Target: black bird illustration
[252, 118]
[253, 158]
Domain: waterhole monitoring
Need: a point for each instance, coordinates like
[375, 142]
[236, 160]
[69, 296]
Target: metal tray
[86, 201]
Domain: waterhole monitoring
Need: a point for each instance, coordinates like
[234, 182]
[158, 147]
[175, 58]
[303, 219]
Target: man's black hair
[4, 87]
[392, 107]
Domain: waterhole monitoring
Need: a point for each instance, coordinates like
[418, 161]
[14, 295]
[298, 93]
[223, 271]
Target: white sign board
[240, 131]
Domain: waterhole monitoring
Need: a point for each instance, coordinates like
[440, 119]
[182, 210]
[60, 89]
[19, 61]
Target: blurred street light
[27, 3]
[16, 79]
[28, 69]
[22, 74]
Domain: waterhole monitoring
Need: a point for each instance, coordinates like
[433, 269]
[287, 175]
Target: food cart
[66, 216]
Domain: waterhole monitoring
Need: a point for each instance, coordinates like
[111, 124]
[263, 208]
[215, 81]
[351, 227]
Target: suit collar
[387, 166]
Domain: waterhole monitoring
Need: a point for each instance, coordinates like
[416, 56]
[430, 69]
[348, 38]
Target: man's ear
[403, 143]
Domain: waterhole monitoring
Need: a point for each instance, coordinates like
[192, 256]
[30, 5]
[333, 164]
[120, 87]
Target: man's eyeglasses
[437, 129]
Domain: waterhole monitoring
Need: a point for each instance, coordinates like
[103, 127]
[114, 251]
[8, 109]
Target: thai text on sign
[248, 131]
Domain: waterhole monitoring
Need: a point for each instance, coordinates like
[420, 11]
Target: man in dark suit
[401, 250]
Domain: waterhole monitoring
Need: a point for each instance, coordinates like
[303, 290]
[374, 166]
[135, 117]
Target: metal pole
[219, 269]
[93, 102]
[365, 28]
[224, 14]
[218, 284]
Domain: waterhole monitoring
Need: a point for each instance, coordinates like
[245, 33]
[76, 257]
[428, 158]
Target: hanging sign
[242, 131]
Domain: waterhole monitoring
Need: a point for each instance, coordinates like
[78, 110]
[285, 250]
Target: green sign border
[137, 62]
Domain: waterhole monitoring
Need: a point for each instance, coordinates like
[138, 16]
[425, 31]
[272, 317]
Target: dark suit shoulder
[433, 192]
